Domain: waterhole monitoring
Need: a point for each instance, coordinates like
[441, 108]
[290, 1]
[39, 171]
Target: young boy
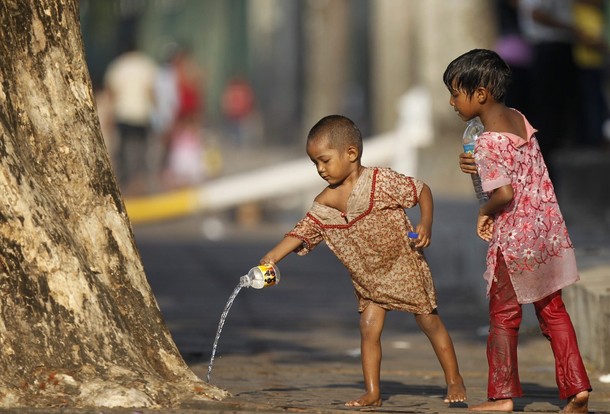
[360, 215]
[530, 257]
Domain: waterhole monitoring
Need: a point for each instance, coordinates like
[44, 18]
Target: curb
[588, 302]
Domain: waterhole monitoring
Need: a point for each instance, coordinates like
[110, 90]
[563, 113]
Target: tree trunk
[79, 325]
[326, 70]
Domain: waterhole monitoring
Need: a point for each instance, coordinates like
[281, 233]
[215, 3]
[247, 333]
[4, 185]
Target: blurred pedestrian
[190, 84]
[129, 80]
[591, 53]
[165, 110]
[237, 107]
[361, 217]
[185, 151]
[512, 46]
[530, 256]
[548, 25]
[186, 160]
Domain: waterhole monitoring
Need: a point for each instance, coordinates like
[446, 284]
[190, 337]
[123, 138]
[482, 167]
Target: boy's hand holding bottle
[261, 276]
[421, 236]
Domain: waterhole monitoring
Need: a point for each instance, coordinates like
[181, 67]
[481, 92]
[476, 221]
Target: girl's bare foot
[367, 400]
[504, 405]
[456, 392]
[578, 403]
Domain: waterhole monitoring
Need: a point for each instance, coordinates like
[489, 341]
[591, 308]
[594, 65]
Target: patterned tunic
[530, 232]
[370, 239]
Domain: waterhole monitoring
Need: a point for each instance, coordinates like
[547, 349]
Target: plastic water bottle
[412, 237]
[261, 276]
[474, 127]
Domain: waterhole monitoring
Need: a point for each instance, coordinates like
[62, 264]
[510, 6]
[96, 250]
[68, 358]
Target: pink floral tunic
[530, 232]
[370, 239]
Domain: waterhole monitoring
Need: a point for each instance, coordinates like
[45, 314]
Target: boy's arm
[281, 250]
[426, 209]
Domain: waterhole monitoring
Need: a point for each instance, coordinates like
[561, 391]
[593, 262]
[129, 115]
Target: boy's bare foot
[456, 392]
[367, 400]
[504, 405]
[578, 403]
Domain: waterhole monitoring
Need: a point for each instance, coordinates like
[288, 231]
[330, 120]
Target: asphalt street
[294, 347]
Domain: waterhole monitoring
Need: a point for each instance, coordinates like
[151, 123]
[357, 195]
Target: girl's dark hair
[340, 130]
[478, 68]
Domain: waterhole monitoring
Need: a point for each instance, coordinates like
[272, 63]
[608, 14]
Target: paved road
[294, 347]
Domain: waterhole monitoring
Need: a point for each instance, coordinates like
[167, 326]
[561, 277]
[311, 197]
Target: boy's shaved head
[340, 131]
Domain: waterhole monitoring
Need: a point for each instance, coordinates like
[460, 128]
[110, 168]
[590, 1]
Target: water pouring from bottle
[258, 277]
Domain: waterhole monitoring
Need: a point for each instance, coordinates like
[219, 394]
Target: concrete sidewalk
[317, 371]
[325, 372]
[295, 347]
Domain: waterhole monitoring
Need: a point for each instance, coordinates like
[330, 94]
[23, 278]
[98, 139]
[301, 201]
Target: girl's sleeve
[399, 187]
[309, 232]
[493, 159]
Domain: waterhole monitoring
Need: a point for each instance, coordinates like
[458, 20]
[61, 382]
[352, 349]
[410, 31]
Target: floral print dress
[530, 232]
[370, 239]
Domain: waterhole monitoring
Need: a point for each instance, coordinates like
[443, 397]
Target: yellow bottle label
[269, 275]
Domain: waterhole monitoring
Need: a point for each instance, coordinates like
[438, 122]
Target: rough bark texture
[79, 325]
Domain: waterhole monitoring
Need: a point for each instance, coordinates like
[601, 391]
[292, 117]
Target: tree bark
[326, 37]
[79, 325]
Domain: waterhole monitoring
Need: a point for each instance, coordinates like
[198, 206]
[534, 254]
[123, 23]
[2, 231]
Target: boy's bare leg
[371, 326]
[578, 403]
[435, 330]
[503, 405]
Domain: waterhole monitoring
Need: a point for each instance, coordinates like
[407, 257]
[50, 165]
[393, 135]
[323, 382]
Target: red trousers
[505, 317]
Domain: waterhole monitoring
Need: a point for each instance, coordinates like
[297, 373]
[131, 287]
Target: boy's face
[466, 106]
[332, 164]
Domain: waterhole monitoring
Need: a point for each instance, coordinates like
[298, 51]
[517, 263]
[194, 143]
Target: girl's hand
[423, 236]
[467, 164]
[485, 227]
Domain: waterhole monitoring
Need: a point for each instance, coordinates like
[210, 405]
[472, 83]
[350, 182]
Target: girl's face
[466, 106]
[333, 165]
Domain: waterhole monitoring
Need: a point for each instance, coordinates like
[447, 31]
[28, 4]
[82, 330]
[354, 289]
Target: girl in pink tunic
[530, 231]
[361, 217]
[530, 257]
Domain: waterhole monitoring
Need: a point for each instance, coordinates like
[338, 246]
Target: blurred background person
[591, 53]
[549, 27]
[189, 78]
[237, 107]
[129, 81]
[303, 59]
[186, 158]
[515, 50]
[185, 150]
[164, 113]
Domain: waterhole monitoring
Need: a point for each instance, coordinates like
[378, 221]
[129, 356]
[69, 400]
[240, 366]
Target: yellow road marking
[161, 206]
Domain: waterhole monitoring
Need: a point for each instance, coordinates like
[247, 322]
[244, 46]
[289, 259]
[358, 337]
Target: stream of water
[223, 317]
